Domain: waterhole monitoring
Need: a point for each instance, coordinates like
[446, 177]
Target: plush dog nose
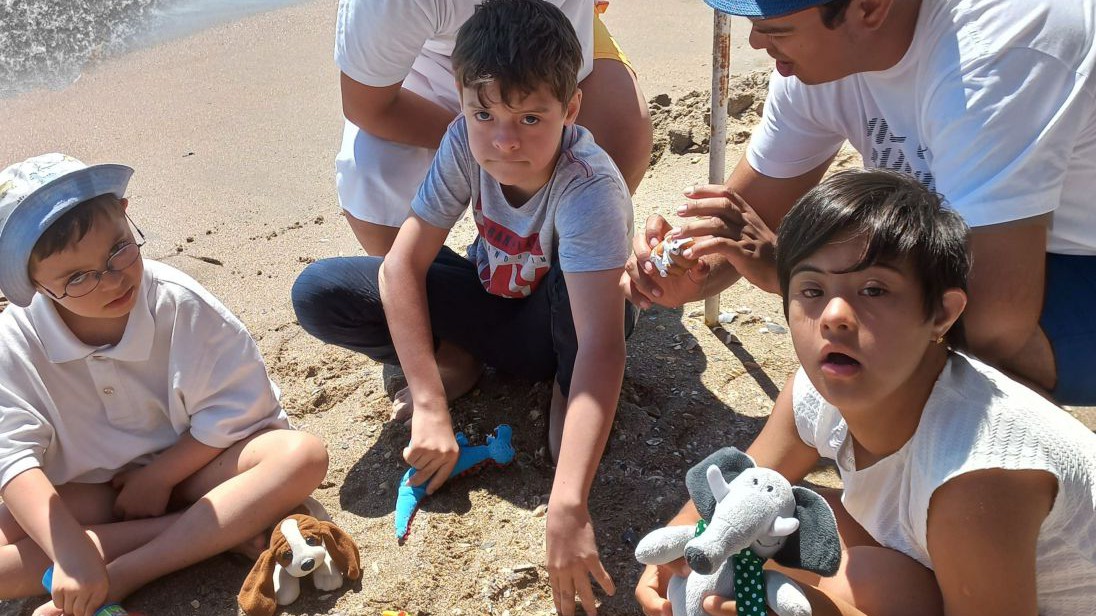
[698, 561]
[308, 564]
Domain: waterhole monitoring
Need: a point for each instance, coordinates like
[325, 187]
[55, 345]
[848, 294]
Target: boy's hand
[80, 583]
[642, 284]
[573, 558]
[141, 494]
[433, 450]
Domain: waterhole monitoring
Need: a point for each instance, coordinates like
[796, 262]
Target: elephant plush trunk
[727, 536]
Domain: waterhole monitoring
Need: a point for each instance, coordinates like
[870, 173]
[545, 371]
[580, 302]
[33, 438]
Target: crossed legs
[237, 496]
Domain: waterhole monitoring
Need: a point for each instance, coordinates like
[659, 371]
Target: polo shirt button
[108, 391]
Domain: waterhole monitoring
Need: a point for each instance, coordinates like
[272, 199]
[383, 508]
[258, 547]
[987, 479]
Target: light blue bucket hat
[762, 9]
[33, 195]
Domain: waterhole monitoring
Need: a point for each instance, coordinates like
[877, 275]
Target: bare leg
[375, 239]
[459, 374]
[242, 492]
[557, 414]
[614, 110]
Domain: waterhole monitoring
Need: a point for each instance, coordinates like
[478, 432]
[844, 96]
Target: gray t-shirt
[581, 218]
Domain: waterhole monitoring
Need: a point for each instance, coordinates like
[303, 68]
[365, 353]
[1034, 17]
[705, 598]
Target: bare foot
[253, 547]
[459, 374]
[557, 413]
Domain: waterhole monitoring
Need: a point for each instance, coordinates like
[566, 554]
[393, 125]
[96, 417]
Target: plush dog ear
[730, 461]
[256, 596]
[343, 550]
[816, 546]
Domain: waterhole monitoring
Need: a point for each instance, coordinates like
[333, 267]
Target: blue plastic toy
[110, 609]
[498, 450]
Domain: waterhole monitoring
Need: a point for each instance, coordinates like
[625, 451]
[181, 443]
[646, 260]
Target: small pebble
[727, 317]
[540, 511]
[195, 604]
[654, 442]
[743, 310]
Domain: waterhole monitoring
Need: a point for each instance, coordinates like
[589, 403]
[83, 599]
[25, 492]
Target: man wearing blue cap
[991, 103]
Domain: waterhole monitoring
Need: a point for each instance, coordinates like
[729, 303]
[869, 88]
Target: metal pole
[717, 143]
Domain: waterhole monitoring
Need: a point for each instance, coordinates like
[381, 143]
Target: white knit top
[976, 418]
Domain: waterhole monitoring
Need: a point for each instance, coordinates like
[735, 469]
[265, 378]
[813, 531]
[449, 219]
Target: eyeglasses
[82, 283]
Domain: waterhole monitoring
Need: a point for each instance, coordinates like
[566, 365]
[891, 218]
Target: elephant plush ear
[816, 546]
[730, 461]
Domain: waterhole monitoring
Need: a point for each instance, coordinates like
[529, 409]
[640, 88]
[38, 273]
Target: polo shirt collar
[62, 346]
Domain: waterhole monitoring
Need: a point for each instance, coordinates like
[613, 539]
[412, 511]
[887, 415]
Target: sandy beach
[232, 132]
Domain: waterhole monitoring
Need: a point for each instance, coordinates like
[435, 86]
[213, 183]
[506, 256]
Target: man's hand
[573, 558]
[80, 582]
[727, 226]
[642, 284]
[433, 450]
[142, 493]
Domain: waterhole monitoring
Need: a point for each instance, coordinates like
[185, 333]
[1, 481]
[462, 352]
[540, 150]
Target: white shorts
[376, 179]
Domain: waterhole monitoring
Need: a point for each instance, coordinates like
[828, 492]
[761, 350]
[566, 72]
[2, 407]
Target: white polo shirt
[83, 413]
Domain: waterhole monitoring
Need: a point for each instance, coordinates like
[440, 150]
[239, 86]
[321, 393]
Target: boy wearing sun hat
[127, 392]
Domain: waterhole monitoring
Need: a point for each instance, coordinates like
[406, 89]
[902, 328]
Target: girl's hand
[573, 558]
[715, 605]
[141, 494]
[80, 583]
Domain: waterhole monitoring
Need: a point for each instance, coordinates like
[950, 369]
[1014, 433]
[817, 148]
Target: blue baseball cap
[33, 195]
[762, 9]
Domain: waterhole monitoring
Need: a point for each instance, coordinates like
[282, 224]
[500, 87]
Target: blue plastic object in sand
[498, 450]
[110, 609]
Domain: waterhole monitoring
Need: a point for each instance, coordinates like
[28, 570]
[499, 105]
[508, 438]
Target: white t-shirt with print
[84, 413]
[993, 106]
[975, 419]
[581, 218]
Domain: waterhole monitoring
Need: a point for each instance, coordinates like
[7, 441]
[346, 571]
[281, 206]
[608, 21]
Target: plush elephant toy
[749, 514]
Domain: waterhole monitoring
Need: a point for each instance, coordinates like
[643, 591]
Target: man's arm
[394, 113]
[597, 307]
[741, 217]
[984, 558]
[1007, 281]
[433, 449]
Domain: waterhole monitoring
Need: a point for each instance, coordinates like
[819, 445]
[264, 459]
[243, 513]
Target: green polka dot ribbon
[701, 524]
[749, 585]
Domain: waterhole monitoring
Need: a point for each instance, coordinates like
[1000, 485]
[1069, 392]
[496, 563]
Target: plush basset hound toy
[300, 545]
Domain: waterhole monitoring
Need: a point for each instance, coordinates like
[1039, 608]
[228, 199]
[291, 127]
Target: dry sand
[232, 132]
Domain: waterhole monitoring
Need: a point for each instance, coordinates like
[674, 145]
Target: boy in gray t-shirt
[539, 293]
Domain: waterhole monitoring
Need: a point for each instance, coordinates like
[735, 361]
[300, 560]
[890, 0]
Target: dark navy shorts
[1069, 321]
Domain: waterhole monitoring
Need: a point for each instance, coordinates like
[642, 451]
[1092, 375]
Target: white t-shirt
[993, 106]
[377, 41]
[581, 218]
[976, 418]
[83, 413]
